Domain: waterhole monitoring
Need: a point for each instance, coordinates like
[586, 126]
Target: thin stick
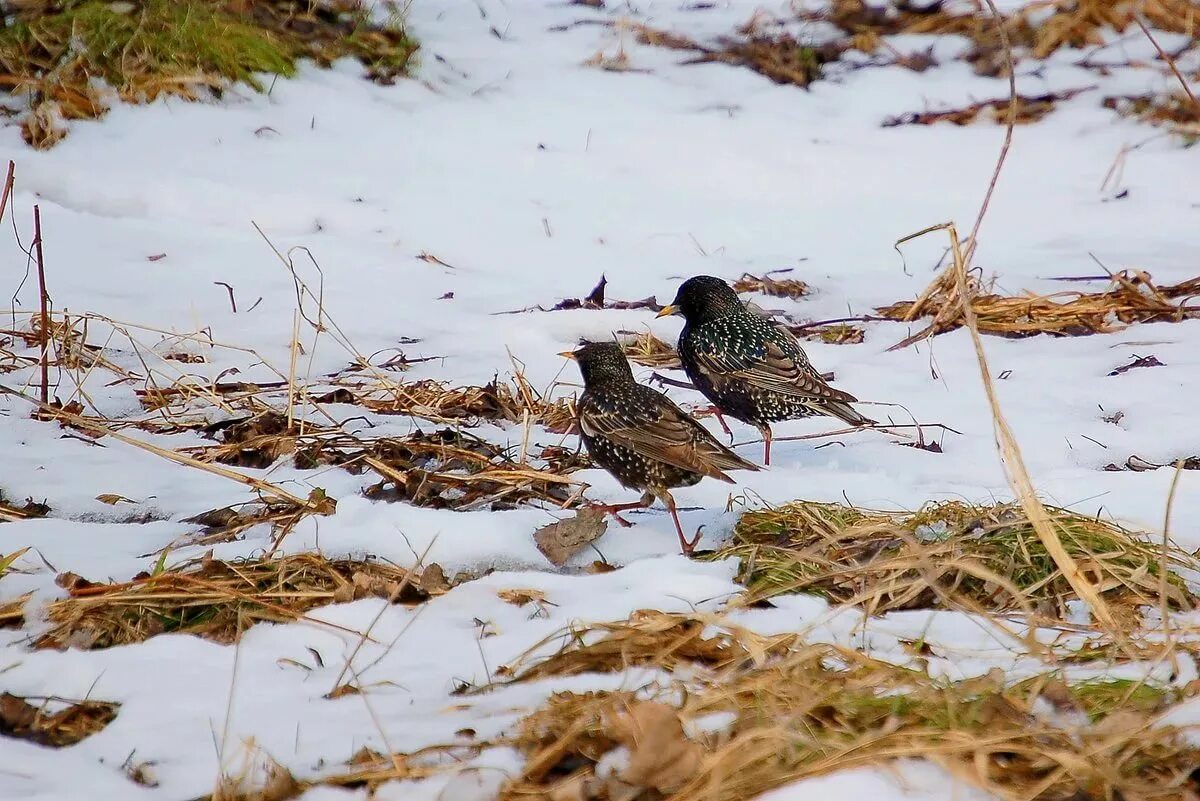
[42, 297]
[1167, 58]
[8, 187]
[178, 458]
[1164, 606]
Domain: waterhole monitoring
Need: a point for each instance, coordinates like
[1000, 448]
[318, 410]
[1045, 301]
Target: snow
[531, 174]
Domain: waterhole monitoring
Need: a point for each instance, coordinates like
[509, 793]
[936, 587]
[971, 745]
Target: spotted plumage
[748, 367]
[639, 436]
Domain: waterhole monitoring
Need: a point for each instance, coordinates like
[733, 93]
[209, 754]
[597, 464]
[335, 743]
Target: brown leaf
[660, 754]
[113, 499]
[521, 597]
[433, 580]
[16, 713]
[72, 582]
[559, 541]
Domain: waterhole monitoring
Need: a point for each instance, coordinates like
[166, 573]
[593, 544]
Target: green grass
[986, 556]
[179, 47]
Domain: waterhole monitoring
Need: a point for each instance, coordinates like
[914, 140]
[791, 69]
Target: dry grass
[72, 722]
[647, 638]
[819, 709]
[949, 554]
[216, 600]
[12, 612]
[1132, 298]
[648, 350]
[1176, 112]
[1036, 32]
[53, 54]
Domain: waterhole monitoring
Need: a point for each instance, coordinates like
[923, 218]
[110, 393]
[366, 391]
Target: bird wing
[660, 430]
[779, 368]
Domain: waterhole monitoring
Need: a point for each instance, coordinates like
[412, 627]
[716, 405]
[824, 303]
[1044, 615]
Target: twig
[1163, 572]
[42, 297]
[1167, 58]
[96, 428]
[8, 187]
[229, 289]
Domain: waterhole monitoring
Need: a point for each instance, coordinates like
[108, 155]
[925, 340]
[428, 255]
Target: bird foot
[687, 547]
[713, 410]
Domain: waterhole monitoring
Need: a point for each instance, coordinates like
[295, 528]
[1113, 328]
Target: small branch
[229, 289]
[43, 297]
[1167, 58]
[8, 187]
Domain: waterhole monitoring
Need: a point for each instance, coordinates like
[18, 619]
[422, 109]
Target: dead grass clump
[29, 508]
[1176, 112]
[515, 402]
[823, 709]
[833, 334]
[1030, 109]
[780, 57]
[12, 612]
[1132, 298]
[448, 469]
[648, 638]
[72, 723]
[184, 48]
[649, 351]
[775, 287]
[947, 554]
[216, 600]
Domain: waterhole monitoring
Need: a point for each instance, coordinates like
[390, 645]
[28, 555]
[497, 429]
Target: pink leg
[684, 545]
[614, 508]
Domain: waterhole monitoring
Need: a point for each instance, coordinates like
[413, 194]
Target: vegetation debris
[217, 600]
[53, 53]
[948, 555]
[73, 722]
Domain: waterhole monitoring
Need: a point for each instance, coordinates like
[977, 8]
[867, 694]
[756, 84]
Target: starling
[748, 367]
[639, 436]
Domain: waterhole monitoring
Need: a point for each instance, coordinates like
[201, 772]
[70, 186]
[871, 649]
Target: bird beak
[567, 354]
[667, 311]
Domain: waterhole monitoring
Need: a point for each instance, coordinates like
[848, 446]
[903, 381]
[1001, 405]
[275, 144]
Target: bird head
[703, 298]
[600, 361]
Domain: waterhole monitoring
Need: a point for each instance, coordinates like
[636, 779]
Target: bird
[748, 367]
[641, 437]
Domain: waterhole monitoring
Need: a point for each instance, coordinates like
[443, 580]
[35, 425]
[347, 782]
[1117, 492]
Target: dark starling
[750, 368]
[639, 436]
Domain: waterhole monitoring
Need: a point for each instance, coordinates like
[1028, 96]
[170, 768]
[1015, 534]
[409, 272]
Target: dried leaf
[1138, 361]
[559, 541]
[113, 499]
[521, 597]
[660, 754]
[433, 580]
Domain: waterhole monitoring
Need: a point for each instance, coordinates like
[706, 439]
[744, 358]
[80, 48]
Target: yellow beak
[567, 354]
[667, 311]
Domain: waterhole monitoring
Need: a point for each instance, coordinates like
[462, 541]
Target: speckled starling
[639, 436]
[748, 367]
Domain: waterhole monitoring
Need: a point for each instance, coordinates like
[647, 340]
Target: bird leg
[766, 432]
[721, 420]
[614, 508]
[715, 412]
[684, 545]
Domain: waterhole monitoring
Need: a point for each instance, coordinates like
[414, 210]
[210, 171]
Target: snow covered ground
[528, 174]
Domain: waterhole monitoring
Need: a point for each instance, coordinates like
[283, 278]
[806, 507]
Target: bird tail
[845, 412]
